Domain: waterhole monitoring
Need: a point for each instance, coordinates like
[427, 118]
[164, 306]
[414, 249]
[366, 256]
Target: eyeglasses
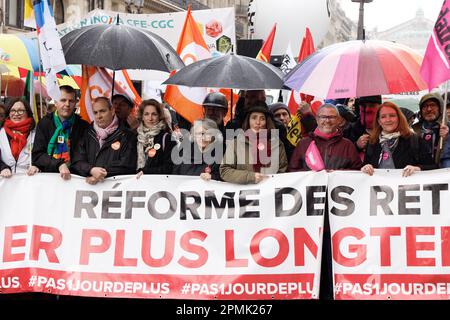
[431, 105]
[331, 118]
[18, 112]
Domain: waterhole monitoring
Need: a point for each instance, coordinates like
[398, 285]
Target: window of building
[58, 11]
[94, 4]
[14, 13]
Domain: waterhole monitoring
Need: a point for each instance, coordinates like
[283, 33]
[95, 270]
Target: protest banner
[216, 25]
[390, 235]
[174, 237]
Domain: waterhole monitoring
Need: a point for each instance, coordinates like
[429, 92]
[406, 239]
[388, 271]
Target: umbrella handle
[113, 82]
[231, 104]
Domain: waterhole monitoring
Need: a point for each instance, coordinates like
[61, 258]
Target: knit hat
[274, 107]
[260, 106]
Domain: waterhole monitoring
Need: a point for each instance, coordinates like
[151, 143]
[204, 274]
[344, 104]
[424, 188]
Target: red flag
[191, 47]
[266, 49]
[306, 49]
[435, 67]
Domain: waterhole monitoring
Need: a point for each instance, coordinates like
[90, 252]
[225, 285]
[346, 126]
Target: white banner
[216, 25]
[390, 234]
[162, 237]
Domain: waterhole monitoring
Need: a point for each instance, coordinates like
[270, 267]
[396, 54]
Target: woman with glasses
[203, 155]
[16, 139]
[154, 136]
[393, 145]
[255, 153]
[325, 148]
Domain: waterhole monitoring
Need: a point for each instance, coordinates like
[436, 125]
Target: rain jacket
[437, 153]
[242, 173]
[338, 153]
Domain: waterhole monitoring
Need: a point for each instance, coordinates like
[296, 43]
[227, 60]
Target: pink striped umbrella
[358, 68]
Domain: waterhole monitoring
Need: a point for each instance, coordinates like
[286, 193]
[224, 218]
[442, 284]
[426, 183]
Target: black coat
[161, 162]
[406, 153]
[194, 168]
[117, 155]
[44, 131]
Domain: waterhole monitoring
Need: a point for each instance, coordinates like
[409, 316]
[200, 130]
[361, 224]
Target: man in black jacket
[107, 148]
[58, 135]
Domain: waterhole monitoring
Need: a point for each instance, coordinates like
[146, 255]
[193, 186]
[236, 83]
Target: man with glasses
[58, 135]
[335, 151]
[325, 149]
[430, 126]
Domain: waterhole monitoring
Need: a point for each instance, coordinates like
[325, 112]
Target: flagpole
[40, 78]
[444, 115]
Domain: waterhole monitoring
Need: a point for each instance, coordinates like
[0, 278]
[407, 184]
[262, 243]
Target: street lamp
[361, 34]
[137, 3]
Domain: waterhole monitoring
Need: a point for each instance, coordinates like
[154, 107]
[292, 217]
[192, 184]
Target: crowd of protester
[364, 134]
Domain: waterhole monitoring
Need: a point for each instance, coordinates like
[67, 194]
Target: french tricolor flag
[52, 55]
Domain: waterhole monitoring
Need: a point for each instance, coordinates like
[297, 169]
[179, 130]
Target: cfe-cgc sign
[162, 237]
[390, 235]
[216, 25]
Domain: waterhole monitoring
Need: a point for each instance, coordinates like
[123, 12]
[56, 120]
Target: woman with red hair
[393, 145]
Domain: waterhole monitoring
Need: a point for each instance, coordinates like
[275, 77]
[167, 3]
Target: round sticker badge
[428, 137]
[115, 145]
[157, 146]
[261, 146]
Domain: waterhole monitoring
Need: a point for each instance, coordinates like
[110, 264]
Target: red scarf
[18, 132]
[326, 136]
[260, 147]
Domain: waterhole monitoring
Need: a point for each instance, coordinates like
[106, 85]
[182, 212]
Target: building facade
[413, 33]
[341, 27]
[12, 11]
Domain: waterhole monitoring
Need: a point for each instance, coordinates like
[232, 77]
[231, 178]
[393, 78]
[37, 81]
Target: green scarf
[59, 145]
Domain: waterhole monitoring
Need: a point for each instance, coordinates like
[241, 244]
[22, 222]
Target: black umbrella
[117, 47]
[229, 71]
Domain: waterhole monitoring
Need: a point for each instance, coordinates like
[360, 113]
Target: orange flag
[191, 47]
[97, 82]
[227, 93]
[306, 49]
[266, 49]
